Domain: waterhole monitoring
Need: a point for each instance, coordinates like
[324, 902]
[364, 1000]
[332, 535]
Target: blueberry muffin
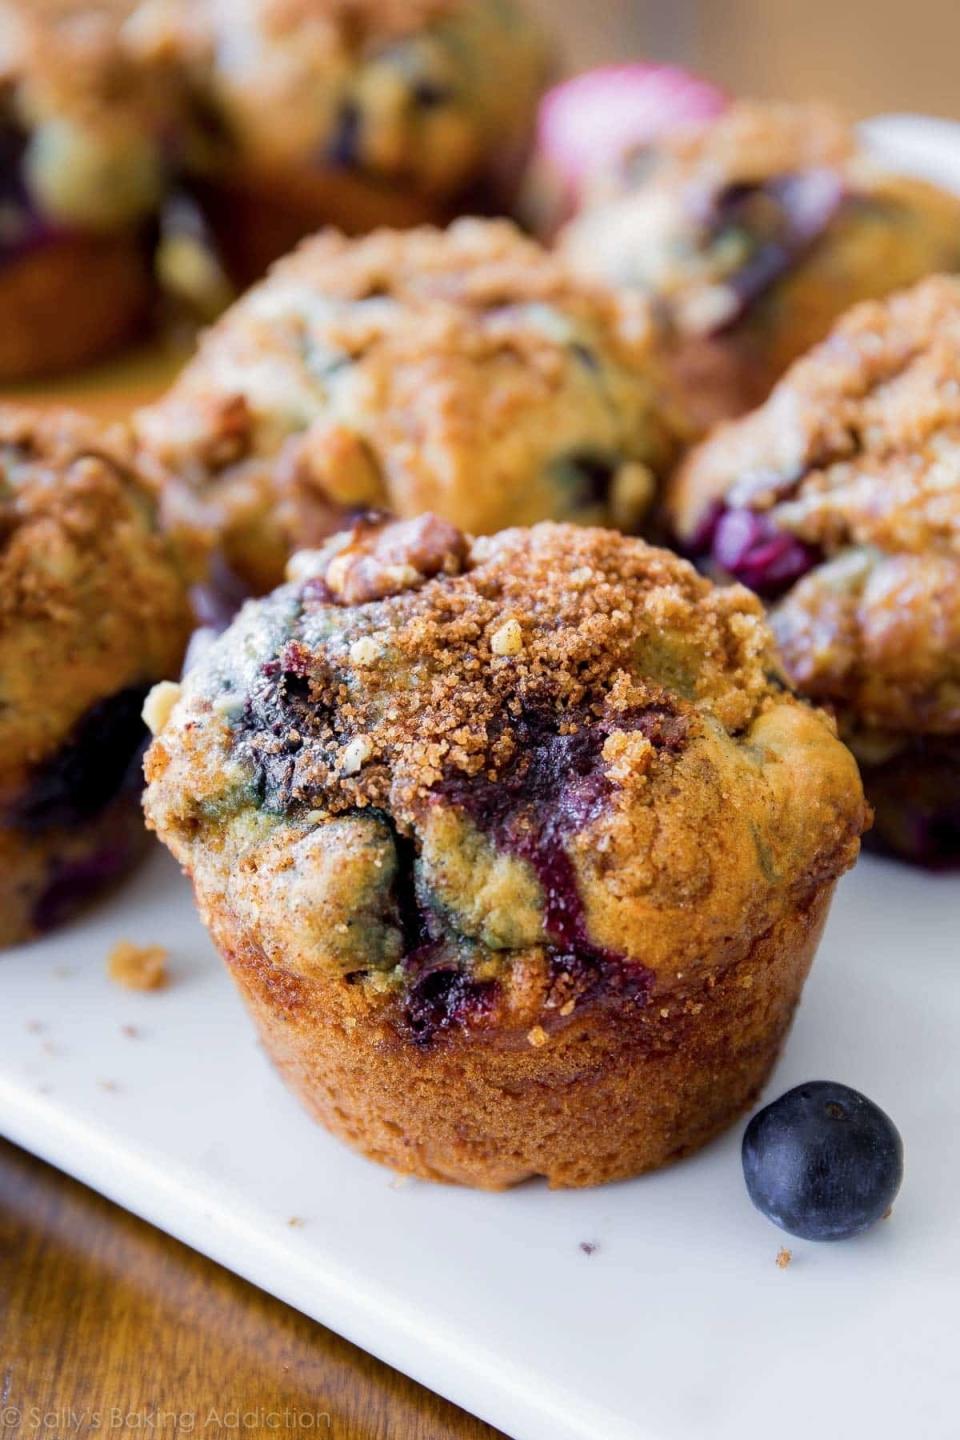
[356, 113]
[84, 125]
[92, 613]
[839, 501]
[518, 849]
[460, 371]
[754, 232]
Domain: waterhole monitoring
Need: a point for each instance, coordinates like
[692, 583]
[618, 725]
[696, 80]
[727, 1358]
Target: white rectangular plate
[678, 1325]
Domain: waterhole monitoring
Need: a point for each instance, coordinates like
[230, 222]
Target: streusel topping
[857, 455]
[91, 598]
[556, 737]
[461, 371]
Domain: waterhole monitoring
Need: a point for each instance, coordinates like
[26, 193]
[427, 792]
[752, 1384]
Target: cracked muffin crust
[754, 233]
[460, 371]
[93, 611]
[360, 113]
[517, 848]
[84, 127]
[839, 500]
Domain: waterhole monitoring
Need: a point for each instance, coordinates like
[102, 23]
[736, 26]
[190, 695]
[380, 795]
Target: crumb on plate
[138, 967]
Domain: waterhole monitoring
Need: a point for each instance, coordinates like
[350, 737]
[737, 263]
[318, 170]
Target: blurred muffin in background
[153, 148]
[355, 113]
[93, 611]
[839, 500]
[462, 371]
[753, 233]
[85, 122]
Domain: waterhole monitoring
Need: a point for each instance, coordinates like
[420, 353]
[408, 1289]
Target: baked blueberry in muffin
[518, 849]
[754, 232]
[84, 124]
[93, 611]
[460, 371]
[839, 501]
[356, 113]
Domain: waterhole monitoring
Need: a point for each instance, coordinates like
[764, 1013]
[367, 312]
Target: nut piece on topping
[508, 638]
[384, 559]
[158, 706]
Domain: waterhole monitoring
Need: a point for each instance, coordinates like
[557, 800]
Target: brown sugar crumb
[138, 967]
[296, 1222]
[784, 1258]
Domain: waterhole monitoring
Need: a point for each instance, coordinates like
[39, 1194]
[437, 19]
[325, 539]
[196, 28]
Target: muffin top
[408, 90]
[553, 753]
[841, 495]
[91, 600]
[712, 216]
[86, 113]
[460, 371]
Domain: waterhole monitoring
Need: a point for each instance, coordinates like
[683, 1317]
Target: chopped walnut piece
[386, 559]
[784, 1257]
[355, 755]
[508, 639]
[138, 967]
[158, 706]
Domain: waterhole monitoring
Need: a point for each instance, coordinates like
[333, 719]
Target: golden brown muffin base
[71, 301]
[110, 844]
[257, 217]
[610, 1093]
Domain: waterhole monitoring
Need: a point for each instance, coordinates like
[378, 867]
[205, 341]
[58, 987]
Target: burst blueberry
[754, 550]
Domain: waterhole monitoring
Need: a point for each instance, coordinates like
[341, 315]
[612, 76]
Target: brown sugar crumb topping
[138, 967]
[860, 442]
[755, 141]
[616, 639]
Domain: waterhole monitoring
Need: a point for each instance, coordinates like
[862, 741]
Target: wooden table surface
[108, 1326]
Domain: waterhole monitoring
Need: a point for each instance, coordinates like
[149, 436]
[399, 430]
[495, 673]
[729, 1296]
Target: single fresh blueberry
[822, 1162]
